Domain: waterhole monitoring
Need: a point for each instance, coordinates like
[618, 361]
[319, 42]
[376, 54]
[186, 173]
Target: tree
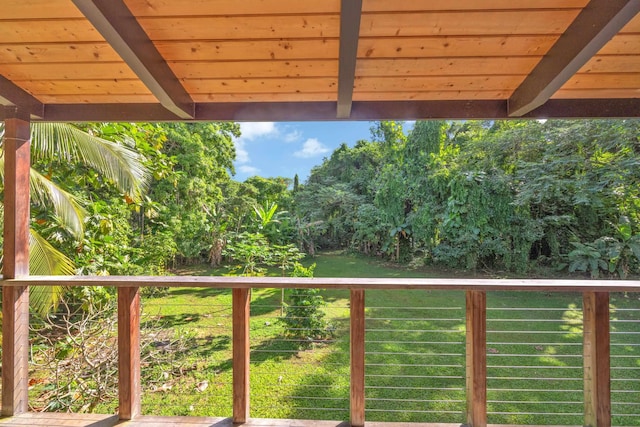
[55, 146]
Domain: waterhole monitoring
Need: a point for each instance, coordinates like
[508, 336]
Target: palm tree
[116, 162]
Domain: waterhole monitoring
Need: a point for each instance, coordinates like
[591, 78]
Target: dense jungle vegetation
[507, 196]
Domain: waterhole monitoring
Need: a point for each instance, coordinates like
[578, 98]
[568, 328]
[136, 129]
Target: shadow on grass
[200, 292]
[169, 321]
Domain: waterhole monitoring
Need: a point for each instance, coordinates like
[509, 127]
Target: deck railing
[595, 323]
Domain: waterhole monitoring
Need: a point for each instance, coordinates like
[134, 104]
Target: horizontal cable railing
[534, 359]
[187, 369]
[625, 360]
[531, 357]
[299, 368]
[415, 356]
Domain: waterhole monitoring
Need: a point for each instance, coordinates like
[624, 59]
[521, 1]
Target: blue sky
[272, 149]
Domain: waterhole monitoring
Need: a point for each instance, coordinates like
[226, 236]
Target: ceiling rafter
[594, 26]
[12, 95]
[122, 31]
[350, 14]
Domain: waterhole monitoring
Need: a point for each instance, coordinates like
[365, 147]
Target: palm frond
[45, 260]
[46, 192]
[116, 162]
[65, 204]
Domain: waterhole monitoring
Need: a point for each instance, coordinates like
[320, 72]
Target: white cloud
[249, 170]
[292, 136]
[311, 148]
[252, 130]
[242, 155]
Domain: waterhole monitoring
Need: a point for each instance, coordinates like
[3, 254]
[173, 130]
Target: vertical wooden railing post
[241, 354]
[357, 306]
[597, 380]
[15, 300]
[129, 352]
[476, 359]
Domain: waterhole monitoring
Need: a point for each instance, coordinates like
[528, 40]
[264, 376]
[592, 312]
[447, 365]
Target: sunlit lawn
[415, 354]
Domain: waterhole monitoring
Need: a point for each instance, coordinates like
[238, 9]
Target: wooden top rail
[458, 284]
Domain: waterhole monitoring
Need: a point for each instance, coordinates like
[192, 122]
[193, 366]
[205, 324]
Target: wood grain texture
[603, 81]
[62, 30]
[230, 8]
[38, 9]
[57, 53]
[241, 354]
[249, 50]
[476, 358]
[432, 95]
[448, 66]
[469, 23]
[448, 5]
[86, 99]
[454, 46]
[15, 301]
[622, 44]
[244, 27]
[86, 87]
[457, 284]
[261, 85]
[15, 350]
[597, 371]
[612, 64]
[266, 97]
[67, 71]
[129, 386]
[357, 349]
[596, 93]
[436, 83]
[256, 69]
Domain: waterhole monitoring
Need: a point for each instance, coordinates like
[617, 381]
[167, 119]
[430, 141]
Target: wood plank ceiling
[75, 60]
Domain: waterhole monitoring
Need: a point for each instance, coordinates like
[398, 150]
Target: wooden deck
[33, 419]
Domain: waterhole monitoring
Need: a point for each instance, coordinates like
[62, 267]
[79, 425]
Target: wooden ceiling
[142, 60]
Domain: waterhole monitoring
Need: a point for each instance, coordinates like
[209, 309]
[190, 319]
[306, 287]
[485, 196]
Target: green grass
[415, 354]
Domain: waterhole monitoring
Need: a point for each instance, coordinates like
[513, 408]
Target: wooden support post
[476, 358]
[15, 300]
[357, 357]
[129, 352]
[241, 354]
[597, 380]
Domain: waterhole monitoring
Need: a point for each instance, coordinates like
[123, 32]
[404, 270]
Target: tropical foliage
[497, 195]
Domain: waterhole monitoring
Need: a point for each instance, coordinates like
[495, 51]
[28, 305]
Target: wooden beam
[357, 399]
[476, 358]
[596, 24]
[122, 31]
[597, 380]
[361, 110]
[129, 352]
[350, 14]
[15, 300]
[395, 283]
[12, 95]
[241, 354]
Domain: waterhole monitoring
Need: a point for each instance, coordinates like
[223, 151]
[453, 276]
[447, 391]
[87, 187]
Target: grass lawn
[415, 354]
